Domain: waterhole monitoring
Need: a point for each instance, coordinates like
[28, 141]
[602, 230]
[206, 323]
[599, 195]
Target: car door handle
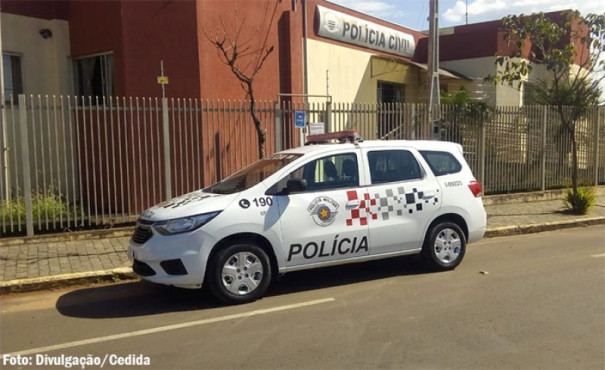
[353, 203]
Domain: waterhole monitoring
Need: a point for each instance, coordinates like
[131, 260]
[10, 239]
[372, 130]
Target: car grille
[142, 233]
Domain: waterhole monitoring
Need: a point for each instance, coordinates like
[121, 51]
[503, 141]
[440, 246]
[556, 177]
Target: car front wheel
[239, 273]
[444, 246]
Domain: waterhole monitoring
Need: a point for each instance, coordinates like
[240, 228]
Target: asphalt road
[533, 301]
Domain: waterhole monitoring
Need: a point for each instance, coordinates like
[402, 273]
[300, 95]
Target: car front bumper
[176, 260]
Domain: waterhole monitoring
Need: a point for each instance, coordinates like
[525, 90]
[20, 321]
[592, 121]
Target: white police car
[318, 205]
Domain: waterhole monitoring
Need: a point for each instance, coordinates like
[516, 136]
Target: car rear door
[403, 199]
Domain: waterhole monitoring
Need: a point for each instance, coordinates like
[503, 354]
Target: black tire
[239, 273]
[444, 247]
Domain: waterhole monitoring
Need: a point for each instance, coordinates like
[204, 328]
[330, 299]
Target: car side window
[393, 165]
[441, 163]
[331, 172]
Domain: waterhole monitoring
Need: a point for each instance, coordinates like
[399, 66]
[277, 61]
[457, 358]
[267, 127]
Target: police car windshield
[252, 175]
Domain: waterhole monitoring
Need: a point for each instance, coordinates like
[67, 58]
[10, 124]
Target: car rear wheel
[444, 246]
[239, 273]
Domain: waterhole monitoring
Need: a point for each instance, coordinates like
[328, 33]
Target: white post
[27, 184]
[544, 118]
[167, 165]
[482, 156]
[597, 139]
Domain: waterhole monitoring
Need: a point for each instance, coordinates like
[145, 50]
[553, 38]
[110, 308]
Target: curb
[126, 273]
[68, 237]
[536, 228]
[65, 280]
[534, 196]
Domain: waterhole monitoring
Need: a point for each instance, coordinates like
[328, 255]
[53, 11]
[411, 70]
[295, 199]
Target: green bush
[46, 205]
[580, 203]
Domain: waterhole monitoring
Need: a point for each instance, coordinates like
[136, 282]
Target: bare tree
[245, 58]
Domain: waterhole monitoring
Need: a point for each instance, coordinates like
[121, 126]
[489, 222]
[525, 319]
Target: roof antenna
[466, 12]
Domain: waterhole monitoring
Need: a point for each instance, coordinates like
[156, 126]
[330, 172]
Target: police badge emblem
[323, 210]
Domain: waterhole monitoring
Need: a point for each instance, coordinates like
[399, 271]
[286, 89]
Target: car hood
[190, 204]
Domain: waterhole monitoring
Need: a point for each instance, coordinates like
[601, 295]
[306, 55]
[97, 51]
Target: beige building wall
[352, 82]
[398, 71]
[45, 69]
[347, 72]
[351, 75]
[45, 63]
[540, 72]
[479, 68]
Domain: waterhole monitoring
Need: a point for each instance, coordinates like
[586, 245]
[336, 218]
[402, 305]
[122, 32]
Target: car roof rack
[347, 136]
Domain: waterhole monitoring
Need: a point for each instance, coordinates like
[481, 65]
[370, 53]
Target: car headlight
[185, 224]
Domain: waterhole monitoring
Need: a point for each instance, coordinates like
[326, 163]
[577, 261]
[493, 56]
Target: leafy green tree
[571, 50]
[471, 110]
[459, 112]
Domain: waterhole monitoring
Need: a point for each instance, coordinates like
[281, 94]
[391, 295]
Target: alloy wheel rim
[448, 246]
[242, 273]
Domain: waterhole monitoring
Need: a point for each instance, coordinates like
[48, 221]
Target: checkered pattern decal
[363, 212]
[394, 202]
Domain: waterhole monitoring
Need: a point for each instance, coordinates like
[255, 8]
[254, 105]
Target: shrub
[580, 203]
[43, 205]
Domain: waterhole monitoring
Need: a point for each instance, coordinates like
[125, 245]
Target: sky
[414, 13]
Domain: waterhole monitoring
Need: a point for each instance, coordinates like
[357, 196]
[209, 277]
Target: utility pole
[433, 101]
[466, 14]
[305, 51]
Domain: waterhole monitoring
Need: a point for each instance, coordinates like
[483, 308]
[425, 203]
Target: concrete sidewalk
[45, 262]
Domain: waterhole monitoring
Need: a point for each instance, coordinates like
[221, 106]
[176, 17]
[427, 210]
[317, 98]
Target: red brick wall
[254, 18]
[160, 30]
[57, 9]
[95, 27]
[140, 34]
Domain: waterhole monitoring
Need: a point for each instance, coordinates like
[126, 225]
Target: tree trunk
[261, 135]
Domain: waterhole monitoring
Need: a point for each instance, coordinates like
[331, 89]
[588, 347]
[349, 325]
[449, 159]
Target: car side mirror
[296, 185]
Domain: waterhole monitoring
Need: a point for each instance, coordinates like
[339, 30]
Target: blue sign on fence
[299, 118]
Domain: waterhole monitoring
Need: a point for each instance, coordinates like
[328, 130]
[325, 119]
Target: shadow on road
[142, 298]
[347, 274]
[131, 299]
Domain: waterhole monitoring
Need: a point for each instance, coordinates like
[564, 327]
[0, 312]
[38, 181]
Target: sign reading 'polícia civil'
[343, 27]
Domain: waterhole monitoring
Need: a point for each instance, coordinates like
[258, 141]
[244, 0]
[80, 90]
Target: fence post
[596, 151]
[167, 165]
[27, 183]
[482, 156]
[413, 115]
[544, 119]
[328, 118]
[6, 185]
[279, 135]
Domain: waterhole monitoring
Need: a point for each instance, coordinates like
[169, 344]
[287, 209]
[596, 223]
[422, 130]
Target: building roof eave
[442, 72]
